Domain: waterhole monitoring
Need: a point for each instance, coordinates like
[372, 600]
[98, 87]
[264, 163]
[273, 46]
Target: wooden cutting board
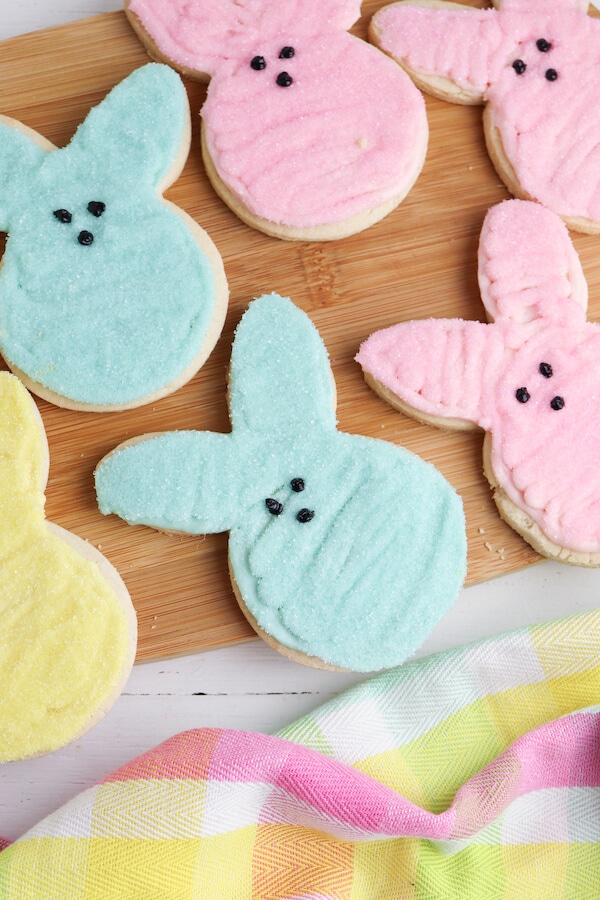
[419, 261]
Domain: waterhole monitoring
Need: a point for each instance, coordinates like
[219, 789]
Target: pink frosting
[550, 129]
[350, 132]
[545, 458]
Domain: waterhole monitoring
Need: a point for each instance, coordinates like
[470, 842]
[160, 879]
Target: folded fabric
[474, 773]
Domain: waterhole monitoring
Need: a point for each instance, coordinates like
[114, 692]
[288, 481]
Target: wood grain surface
[419, 261]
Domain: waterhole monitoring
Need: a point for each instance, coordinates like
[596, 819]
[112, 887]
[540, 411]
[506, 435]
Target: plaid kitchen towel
[474, 773]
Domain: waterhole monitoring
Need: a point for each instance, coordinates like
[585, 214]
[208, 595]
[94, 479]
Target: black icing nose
[85, 238]
[96, 208]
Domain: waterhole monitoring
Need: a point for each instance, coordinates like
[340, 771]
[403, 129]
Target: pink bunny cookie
[536, 64]
[308, 132]
[530, 378]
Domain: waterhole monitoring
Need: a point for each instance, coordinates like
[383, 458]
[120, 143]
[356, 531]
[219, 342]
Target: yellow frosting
[63, 633]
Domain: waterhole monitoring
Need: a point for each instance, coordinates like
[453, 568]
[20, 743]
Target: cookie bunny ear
[195, 36]
[22, 151]
[318, 16]
[23, 449]
[341, 13]
[449, 50]
[190, 494]
[280, 371]
[527, 262]
[433, 369]
[141, 130]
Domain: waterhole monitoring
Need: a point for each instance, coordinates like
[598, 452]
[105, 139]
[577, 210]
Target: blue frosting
[111, 322]
[359, 584]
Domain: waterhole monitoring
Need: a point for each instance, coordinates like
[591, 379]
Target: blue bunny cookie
[110, 296]
[343, 550]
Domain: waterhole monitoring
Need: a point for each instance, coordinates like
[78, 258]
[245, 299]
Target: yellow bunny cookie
[67, 626]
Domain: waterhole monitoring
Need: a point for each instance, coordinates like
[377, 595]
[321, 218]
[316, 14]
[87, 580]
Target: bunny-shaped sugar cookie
[110, 296]
[536, 66]
[344, 550]
[68, 626]
[308, 132]
[530, 378]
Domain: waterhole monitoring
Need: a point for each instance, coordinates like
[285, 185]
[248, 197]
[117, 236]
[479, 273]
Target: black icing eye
[96, 208]
[286, 53]
[85, 238]
[557, 403]
[305, 515]
[258, 63]
[274, 506]
[551, 74]
[543, 45]
[284, 79]
[297, 484]
[63, 215]
[546, 370]
[519, 66]
[522, 394]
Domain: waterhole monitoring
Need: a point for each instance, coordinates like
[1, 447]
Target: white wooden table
[250, 686]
